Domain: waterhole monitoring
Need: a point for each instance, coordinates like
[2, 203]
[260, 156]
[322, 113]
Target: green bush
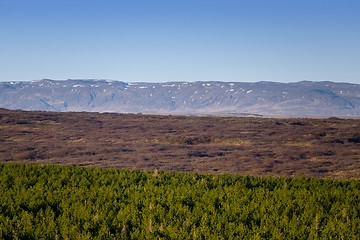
[58, 202]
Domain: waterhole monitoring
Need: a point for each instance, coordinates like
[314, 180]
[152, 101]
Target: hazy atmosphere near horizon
[181, 40]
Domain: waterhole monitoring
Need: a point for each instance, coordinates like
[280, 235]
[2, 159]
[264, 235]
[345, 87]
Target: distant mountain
[304, 98]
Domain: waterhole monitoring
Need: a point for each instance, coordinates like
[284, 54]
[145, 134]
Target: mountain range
[305, 98]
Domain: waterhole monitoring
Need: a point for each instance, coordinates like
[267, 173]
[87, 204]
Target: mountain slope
[304, 98]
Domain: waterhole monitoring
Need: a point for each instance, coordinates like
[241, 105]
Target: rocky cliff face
[264, 98]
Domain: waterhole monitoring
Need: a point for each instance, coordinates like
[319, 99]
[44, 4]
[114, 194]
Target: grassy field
[64, 202]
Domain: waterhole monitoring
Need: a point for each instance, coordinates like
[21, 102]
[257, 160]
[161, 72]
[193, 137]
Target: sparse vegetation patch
[325, 148]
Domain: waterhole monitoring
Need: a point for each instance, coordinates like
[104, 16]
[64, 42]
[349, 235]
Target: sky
[180, 40]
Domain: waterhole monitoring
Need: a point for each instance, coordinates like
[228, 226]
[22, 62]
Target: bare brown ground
[327, 148]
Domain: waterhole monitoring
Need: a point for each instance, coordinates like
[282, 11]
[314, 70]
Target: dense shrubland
[58, 202]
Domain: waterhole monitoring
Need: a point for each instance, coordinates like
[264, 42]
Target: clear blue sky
[180, 40]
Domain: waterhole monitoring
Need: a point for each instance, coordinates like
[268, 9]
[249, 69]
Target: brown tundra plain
[324, 148]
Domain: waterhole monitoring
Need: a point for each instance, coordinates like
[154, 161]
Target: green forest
[67, 202]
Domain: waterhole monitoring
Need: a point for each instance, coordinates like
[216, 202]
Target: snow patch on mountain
[304, 98]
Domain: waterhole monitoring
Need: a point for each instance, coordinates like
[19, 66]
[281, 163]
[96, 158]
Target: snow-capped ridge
[305, 98]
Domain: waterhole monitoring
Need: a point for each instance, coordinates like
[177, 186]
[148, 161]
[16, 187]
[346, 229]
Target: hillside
[304, 98]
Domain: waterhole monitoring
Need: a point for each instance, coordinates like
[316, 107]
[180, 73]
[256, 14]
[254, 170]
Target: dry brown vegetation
[245, 145]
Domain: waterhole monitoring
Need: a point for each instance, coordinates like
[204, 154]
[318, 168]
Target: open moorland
[325, 148]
